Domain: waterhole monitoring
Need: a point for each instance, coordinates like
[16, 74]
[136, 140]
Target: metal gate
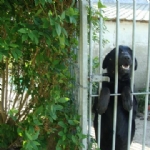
[87, 77]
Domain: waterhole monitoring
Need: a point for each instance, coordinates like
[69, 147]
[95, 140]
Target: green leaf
[42, 2]
[14, 45]
[23, 30]
[100, 5]
[48, 41]
[31, 35]
[58, 147]
[58, 107]
[63, 15]
[36, 143]
[1, 56]
[76, 121]
[74, 139]
[50, 1]
[63, 100]
[46, 23]
[64, 32]
[55, 62]
[64, 137]
[58, 29]
[36, 2]
[16, 53]
[35, 136]
[36, 40]
[38, 12]
[62, 124]
[52, 21]
[36, 121]
[72, 19]
[13, 111]
[53, 113]
[61, 133]
[24, 37]
[28, 135]
[62, 41]
[39, 110]
[71, 122]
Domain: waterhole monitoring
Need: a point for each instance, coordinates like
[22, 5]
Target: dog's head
[125, 63]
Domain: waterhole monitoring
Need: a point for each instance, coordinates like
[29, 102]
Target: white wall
[125, 38]
[122, 1]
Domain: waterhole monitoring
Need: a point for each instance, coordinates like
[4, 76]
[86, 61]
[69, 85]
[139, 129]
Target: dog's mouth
[125, 67]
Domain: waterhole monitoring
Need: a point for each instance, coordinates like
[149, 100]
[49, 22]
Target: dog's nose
[126, 57]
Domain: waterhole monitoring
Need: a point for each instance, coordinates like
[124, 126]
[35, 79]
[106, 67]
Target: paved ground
[137, 141]
[137, 146]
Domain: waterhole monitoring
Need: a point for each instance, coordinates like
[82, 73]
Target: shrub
[36, 48]
[141, 101]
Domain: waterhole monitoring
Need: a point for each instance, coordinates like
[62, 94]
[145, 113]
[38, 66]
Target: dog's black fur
[104, 105]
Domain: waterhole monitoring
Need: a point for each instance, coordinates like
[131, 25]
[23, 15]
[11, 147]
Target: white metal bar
[83, 69]
[116, 75]
[99, 78]
[147, 86]
[138, 93]
[91, 72]
[132, 78]
[100, 68]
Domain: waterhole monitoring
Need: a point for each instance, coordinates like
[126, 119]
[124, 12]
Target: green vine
[36, 41]
[37, 110]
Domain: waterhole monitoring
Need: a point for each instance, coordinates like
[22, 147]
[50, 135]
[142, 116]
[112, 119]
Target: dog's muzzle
[125, 61]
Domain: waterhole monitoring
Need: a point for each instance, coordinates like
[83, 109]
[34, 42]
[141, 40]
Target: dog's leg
[126, 98]
[103, 100]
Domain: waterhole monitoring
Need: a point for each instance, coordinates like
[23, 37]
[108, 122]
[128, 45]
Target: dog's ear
[105, 61]
[108, 58]
[136, 64]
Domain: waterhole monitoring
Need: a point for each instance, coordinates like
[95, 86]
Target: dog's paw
[103, 100]
[127, 99]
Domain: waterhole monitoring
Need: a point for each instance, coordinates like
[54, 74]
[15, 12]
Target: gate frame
[83, 70]
[83, 73]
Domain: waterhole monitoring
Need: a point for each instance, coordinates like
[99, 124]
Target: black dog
[105, 103]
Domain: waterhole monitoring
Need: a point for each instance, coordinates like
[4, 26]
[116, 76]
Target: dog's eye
[110, 59]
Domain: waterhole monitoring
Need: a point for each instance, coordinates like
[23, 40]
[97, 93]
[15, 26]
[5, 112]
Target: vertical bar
[147, 85]
[132, 77]
[116, 74]
[91, 71]
[100, 68]
[83, 70]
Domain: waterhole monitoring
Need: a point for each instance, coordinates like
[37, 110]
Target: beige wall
[125, 38]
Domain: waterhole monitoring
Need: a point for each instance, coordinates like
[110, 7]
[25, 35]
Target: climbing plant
[37, 110]
[36, 42]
